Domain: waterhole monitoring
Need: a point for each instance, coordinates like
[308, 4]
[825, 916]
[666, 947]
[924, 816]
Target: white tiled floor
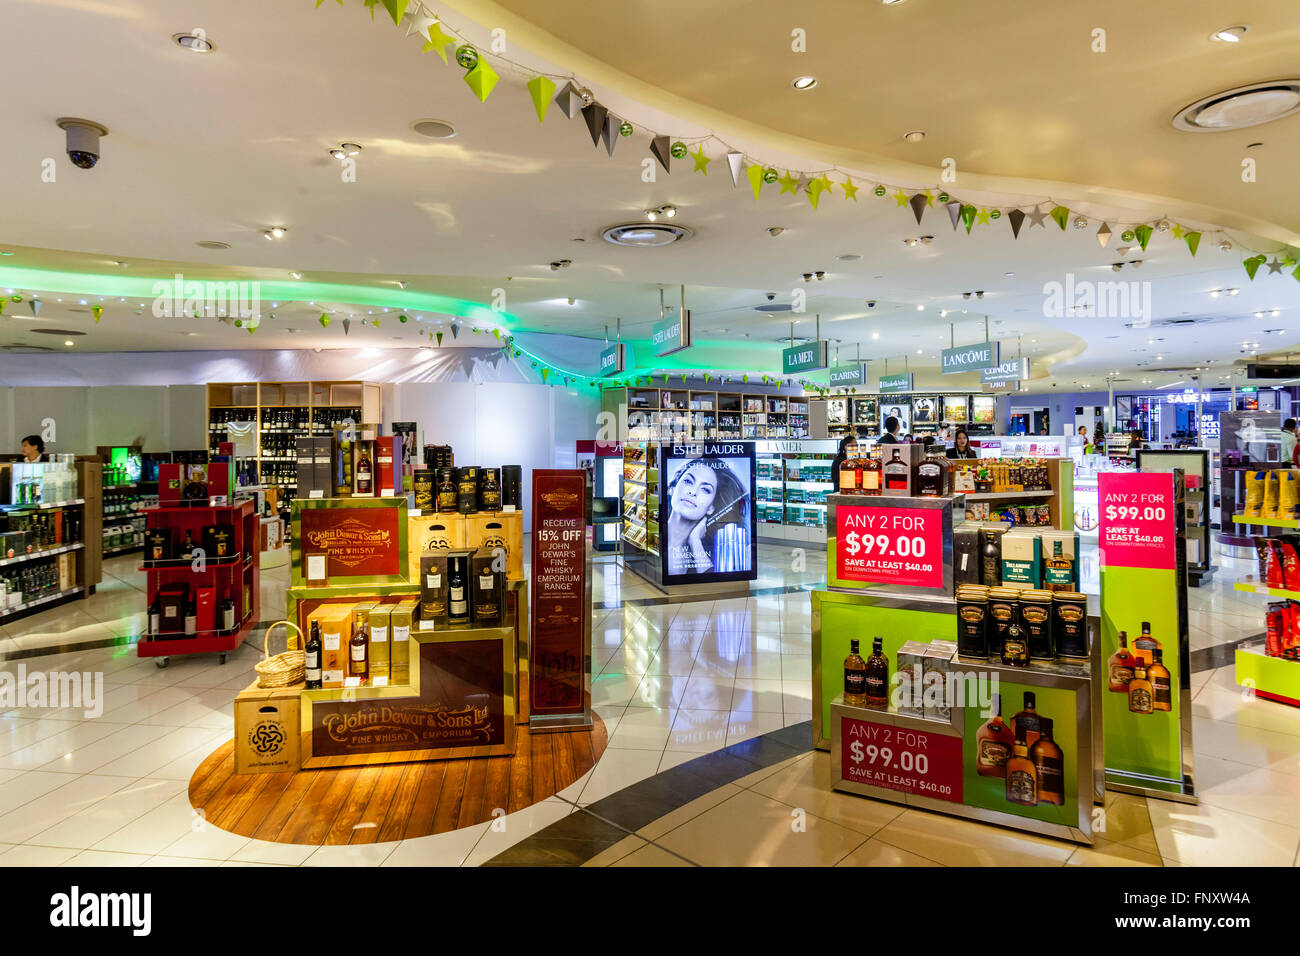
[671, 682]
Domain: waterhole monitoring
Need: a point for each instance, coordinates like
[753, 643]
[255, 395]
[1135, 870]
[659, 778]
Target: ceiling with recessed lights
[208, 154]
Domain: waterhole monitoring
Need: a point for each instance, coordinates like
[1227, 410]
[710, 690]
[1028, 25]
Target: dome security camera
[775, 231]
[871, 303]
[83, 138]
[771, 296]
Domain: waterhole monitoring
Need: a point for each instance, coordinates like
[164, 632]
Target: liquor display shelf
[121, 549]
[43, 553]
[1273, 678]
[49, 598]
[182, 563]
[1251, 588]
[1267, 522]
[1005, 495]
[45, 505]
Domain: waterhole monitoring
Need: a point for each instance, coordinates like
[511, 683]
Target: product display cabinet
[693, 414]
[794, 478]
[919, 413]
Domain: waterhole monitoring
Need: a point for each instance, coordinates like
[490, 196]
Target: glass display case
[794, 478]
[640, 496]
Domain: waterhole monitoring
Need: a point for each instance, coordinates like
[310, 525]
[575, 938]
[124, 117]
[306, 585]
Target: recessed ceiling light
[1229, 34]
[194, 42]
[275, 232]
[68, 342]
[212, 244]
[802, 83]
[890, 3]
[914, 136]
[1240, 108]
[652, 214]
[295, 275]
[434, 128]
[849, 257]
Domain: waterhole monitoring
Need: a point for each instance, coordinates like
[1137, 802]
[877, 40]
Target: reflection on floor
[672, 682]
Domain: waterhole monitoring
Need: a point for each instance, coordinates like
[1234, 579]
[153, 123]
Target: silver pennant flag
[347, 326]
[662, 146]
[609, 135]
[736, 163]
[595, 115]
[568, 100]
[954, 213]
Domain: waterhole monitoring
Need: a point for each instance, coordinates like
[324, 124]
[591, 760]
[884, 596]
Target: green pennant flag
[497, 333]
[545, 371]
[1296, 275]
[1193, 239]
[541, 89]
[324, 321]
[755, 176]
[968, 217]
[481, 79]
[1143, 235]
[395, 9]
[1060, 216]
[745, 378]
[440, 338]
[1252, 265]
[683, 378]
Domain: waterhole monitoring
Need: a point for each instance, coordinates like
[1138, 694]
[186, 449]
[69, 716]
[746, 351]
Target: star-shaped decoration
[1178, 231]
[789, 184]
[701, 161]
[1275, 266]
[901, 198]
[438, 41]
[816, 187]
[929, 199]
[982, 217]
[850, 190]
[1037, 218]
[417, 22]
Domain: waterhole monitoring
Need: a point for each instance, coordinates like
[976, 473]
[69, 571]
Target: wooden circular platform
[384, 802]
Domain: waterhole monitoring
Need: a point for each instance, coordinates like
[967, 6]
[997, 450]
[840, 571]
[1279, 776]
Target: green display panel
[1060, 705]
[1272, 678]
[844, 620]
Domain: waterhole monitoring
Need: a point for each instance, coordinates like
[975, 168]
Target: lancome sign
[970, 358]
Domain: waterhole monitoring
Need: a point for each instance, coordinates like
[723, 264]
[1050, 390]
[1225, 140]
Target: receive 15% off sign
[910, 761]
[878, 545]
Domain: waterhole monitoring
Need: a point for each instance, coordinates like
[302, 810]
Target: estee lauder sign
[353, 541]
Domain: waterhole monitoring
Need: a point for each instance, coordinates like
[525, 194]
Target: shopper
[33, 448]
[890, 437]
[1083, 433]
[1288, 440]
[961, 447]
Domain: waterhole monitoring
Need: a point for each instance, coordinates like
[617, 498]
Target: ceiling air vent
[1240, 108]
[646, 234]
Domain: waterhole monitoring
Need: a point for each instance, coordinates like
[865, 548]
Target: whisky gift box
[1070, 624]
[911, 662]
[489, 489]
[364, 470]
[512, 487]
[487, 583]
[171, 600]
[433, 588]
[937, 663]
[205, 605]
[1022, 559]
[158, 544]
[1069, 549]
[422, 480]
[323, 469]
[1036, 623]
[399, 641]
[467, 489]
[379, 653]
[387, 461]
[305, 452]
[335, 635]
[219, 541]
[966, 555]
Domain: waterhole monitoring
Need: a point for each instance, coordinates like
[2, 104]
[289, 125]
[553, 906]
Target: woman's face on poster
[694, 492]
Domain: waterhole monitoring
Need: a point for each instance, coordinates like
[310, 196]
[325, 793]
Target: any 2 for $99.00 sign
[879, 545]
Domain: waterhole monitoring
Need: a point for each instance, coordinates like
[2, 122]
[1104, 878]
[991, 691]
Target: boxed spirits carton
[938, 661]
[1065, 578]
[380, 616]
[433, 588]
[1022, 559]
[336, 633]
[911, 671]
[399, 645]
[487, 582]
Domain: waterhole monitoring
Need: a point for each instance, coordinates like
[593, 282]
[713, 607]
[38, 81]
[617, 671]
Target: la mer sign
[804, 358]
[971, 358]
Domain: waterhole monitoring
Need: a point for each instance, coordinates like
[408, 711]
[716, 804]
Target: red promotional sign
[1138, 524]
[909, 761]
[559, 653]
[356, 542]
[880, 545]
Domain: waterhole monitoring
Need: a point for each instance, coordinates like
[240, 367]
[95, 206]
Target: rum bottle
[1119, 669]
[877, 676]
[1022, 779]
[313, 657]
[1139, 691]
[1049, 766]
[1162, 697]
[855, 677]
[993, 742]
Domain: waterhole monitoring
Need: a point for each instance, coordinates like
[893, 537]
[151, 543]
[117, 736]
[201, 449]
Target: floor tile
[956, 842]
[1208, 835]
[441, 849]
[875, 853]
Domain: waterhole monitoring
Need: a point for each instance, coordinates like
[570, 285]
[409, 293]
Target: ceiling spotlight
[275, 232]
[337, 153]
[1275, 313]
[67, 342]
[668, 210]
[920, 308]
[652, 214]
[1214, 293]
[910, 242]
[1229, 34]
[926, 240]
[1136, 263]
[875, 335]
[1225, 246]
[802, 83]
[1259, 315]
[295, 275]
[775, 231]
[1162, 225]
[196, 42]
[1233, 291]
[820, 275]
[965, 295]
[807, 277]
[351, 149]
[914, 136]
[979, 294]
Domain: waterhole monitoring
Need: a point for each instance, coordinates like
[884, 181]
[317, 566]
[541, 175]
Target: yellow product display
[1272, 488]
[1288, 492]
[1254, 493]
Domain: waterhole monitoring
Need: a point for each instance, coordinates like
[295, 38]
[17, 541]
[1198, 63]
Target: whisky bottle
[358, 665]
[850, 476]
[990, 558]
[1022, 780]
[855, 677]
[877, 676]
[1058, 573]
[191, 618]
[897, 474]
[872, 476]
[1145, 646]
[363, 473]
[1139, 691]
[1161, 685]
[155, 617]
[187, 550]
[1028, 723]
[993, 742]
[1119, 668]
[933, 476]
[457, 605]
[1015, 647]
[1049, 766]
[313, 657]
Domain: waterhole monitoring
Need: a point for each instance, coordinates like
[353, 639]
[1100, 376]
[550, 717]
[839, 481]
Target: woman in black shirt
[961, 448]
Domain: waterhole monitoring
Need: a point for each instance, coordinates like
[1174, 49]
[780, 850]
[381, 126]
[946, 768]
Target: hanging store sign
[804, 358]
[852, 374]
[902, 382]
[1015, 370]
[1008, 386]
[971, 358]
[672, 335]
[613, 360]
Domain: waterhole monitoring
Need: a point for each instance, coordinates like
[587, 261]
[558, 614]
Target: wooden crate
[268, 728]
[498, 529]
[429, 533]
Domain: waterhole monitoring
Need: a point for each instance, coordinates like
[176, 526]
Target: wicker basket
[285, 669]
